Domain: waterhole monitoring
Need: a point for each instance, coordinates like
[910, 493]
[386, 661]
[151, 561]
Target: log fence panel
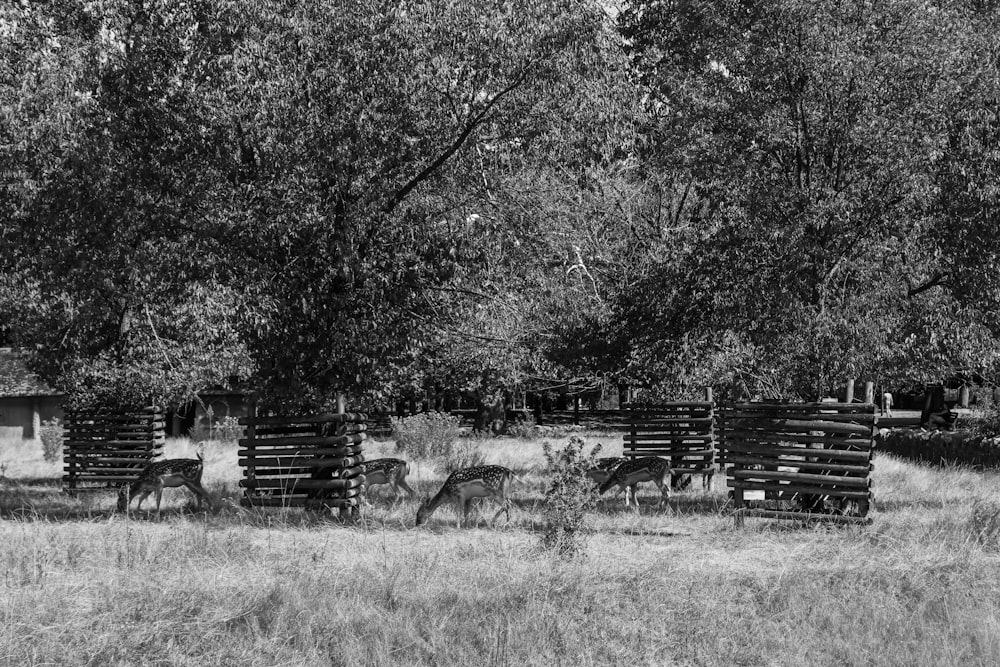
[105, 448]
[682, 432]
[311, 461]
[812, 461]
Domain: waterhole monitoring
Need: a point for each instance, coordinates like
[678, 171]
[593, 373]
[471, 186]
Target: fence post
[576, 410]
[869, 392]
[341, 404]
[708, 395]
[963, 396]
[849, 393]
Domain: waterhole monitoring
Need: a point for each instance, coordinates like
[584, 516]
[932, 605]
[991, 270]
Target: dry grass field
[83, 585]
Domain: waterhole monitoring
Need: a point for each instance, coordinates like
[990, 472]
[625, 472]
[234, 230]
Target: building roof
[17, 380]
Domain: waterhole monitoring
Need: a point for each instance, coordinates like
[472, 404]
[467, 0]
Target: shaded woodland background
[376, 198]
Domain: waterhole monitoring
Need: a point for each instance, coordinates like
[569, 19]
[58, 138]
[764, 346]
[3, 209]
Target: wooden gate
[804, 461]
[302, 461]
[105, 448]
[684, 433]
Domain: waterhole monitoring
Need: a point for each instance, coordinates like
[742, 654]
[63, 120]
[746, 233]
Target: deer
[463, 485]
[629, 474]
[388, 471]
[161, 474]
[605, 468]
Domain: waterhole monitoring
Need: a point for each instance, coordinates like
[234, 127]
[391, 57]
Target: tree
[812, 132]
[294, 178]
[116, 160]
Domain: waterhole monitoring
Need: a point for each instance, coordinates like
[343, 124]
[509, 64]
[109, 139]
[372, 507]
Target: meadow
[83, 585]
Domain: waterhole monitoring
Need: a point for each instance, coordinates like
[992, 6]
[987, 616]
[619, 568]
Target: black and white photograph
[499, 332]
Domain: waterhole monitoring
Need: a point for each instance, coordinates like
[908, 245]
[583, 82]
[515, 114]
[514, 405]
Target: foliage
[525, 429]
[426, 435]
[985, 423]
[816, 138]
[316, 163]
[51, 434]
[226, 429]
[112, 163]
[568, 497]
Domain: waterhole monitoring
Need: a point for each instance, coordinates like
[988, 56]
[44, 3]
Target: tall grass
[81, 585]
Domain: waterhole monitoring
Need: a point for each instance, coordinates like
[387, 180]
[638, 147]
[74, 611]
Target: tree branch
[938, 279]
[459, 141]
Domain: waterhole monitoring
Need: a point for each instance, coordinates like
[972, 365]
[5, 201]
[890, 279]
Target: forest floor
[83, 585]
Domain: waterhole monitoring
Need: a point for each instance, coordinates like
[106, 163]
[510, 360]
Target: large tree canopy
[825, 140]
[327, 196]
[295, 179]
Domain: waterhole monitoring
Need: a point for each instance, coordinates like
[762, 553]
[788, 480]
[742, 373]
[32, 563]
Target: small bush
[986, 424]
[570, 494]
[524, 429]
[51, 434]
[426, 435]
[463, 455]
[227, 429]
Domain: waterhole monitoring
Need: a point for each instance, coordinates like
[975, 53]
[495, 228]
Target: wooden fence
[302, 461]
[684, 433]
[104, 448]
[809, 461]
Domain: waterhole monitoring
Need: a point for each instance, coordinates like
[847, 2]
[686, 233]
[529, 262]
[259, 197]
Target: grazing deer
[605, 468]
[160, 474]
[631, 473]
[468, 483]
[388, 471]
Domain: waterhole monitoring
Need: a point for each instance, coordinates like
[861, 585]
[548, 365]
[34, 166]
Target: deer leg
[664, 496]
[142, 496]
[199, 491]
[406, 487]
[159, 496]
[632, 491]
[504, 507]
[464, 516]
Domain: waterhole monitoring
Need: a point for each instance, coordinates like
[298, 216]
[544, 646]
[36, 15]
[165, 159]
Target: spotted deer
[630, 474]
[161, 474]
[605, 468]
[388, 471]
[464, 485]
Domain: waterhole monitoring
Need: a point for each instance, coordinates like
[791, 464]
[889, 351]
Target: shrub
[986, 424]
[463, 455]
[570, 494]
[524, 428]
[426, 435]
[51, 434]
[227, 429]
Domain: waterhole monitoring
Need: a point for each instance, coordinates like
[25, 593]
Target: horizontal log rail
[803, 478]
[798, 426]
[326, 452]
[303, 441]
[799, 464]
[806, 489]
[356, 417]
[673, 453]
[299, 461]
[293, 484]
[806, 415]
[299, 501]
[761, 437]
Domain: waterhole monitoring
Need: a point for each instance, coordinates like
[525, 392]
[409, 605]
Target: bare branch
[477, 120]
